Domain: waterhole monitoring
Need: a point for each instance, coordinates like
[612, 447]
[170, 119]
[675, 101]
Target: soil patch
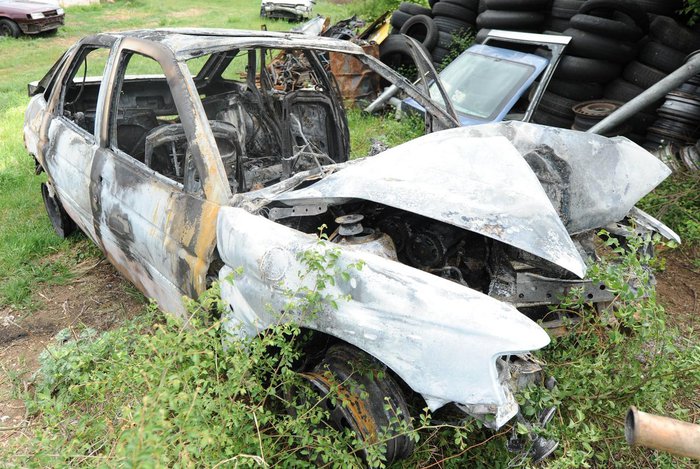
[97, 297]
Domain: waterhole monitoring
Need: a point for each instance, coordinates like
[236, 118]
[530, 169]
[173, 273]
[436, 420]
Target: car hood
[479, 184]
[26, 7]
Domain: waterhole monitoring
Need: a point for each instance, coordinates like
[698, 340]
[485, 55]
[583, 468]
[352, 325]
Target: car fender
[440, 337]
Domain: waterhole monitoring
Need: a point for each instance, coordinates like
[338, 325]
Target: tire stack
[433, 27]
[452, 17]
[662, 52]
[605, 36]
[514, 15]
[560, 14]
[679, 118]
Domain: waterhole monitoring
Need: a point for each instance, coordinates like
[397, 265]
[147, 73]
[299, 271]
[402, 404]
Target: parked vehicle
[17, 17]
[297, 10]
[190, 155]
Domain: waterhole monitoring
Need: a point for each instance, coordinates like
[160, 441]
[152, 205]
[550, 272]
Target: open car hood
[480, 184]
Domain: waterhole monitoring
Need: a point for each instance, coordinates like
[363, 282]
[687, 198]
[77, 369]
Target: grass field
[105, 414]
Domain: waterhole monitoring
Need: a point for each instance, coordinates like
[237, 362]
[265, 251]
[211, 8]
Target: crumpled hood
[480, 184]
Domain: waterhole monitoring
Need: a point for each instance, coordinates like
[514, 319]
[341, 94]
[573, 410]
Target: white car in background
[290, 9]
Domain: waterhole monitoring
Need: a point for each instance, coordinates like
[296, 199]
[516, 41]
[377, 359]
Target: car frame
[436, 334]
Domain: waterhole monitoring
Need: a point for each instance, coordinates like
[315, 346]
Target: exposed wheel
[423, 29]
[457, 12]
[575, 68]
[9, 28]
[659, 56]
[414, 9]
[62, 223]
[596, 46]
[518, 20]
[614, 29]
[368, 402]
[642, 75]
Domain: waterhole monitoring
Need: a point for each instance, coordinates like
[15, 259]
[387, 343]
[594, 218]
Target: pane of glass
[478, 85]
[79, 102]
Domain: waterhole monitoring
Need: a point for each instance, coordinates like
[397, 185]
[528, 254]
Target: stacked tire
[679, 118]
[605, 36]
[434, 27]
[662, 52]
[514, 15]
[452, 17]
[560, 14]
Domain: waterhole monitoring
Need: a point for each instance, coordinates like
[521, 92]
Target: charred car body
[189, 157]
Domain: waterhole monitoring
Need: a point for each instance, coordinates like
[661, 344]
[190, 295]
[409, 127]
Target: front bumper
[42, 25]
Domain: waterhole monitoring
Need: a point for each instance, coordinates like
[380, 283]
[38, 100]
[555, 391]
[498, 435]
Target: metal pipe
[662, 433]
[653, 94]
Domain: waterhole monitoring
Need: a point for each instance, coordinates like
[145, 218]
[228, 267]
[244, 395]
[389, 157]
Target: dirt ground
[100, 298]
[97, 297]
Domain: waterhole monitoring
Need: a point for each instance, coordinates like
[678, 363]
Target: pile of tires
[605, 35]
[560, 14]
[679, 118]
[452, 17]
[514, 15]
[434, 27]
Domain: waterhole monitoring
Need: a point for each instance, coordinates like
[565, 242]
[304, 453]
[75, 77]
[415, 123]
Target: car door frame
[171, 259]
[82, 216]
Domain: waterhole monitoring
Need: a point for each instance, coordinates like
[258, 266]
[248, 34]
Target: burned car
[187, 156]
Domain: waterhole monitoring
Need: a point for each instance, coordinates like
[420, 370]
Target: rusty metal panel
[356, 80]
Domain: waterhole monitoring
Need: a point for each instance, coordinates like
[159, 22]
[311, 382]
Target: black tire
[565, 9]
[544, 118]
[628, 7]
[518, 5]
[439, 54]
[395, 52]
[594, 46]
[9, 28]
[642, 75]
[472, 5]
[575, 68]
[580, 91]
[451, 25]
[423, 29]
[613, 29]
[371, 399]
[661, 57]
[518, 20]
[668, 32]
[557, 25]
[432, 3]
[622, 90]
[660, 7]
[398, 18]
[457, 12]
[62, 223]
[557, 105]
[445, 40]
[415, 9]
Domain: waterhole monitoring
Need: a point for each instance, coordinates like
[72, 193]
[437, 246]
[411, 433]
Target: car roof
[187, 43]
